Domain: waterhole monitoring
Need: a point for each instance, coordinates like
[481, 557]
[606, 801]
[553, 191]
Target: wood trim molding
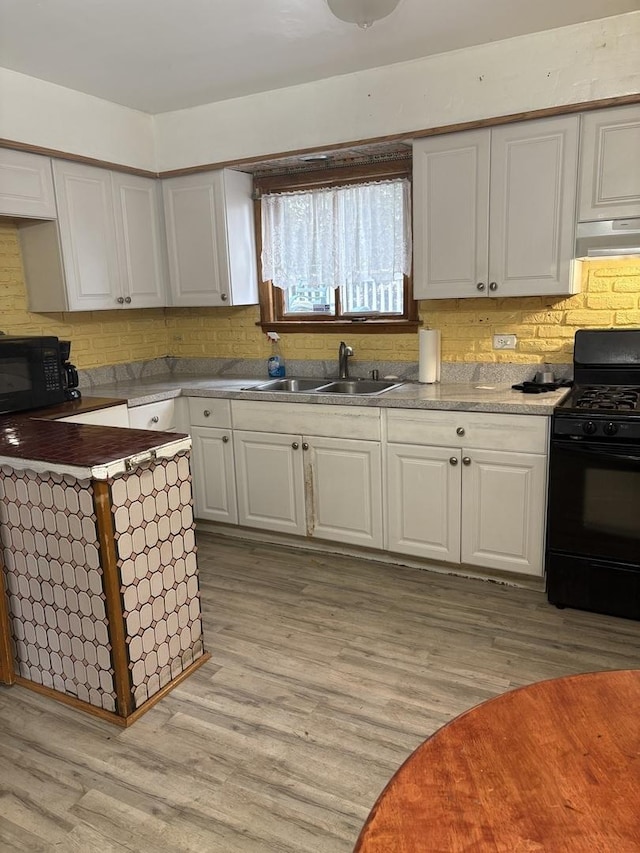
[7, 672]
[76, 158]
[546, 112]
[113, 603]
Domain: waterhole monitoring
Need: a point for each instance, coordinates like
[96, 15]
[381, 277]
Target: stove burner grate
[621, 398]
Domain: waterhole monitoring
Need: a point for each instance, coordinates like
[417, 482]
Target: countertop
[36, 439]
[476, 397]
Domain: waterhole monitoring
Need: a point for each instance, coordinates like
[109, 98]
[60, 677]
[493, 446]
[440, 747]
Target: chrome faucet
[344, 352]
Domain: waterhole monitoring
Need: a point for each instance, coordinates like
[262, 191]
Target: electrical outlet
[504, 341]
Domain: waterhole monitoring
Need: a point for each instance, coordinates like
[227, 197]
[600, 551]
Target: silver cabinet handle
[480, 285]
[460, 431]
[466, 460]
[206, 413]
[295, 445]
[127, 299]
[155, 419]
[224, 297]
[453, 460]
[120, 300]
[493, 286]
[305, 446]
[225, 438]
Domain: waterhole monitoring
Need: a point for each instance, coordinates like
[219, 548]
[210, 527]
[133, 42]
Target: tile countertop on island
[475, 397]
[39, 441]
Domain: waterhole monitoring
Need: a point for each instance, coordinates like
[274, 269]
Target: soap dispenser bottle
[275, 362]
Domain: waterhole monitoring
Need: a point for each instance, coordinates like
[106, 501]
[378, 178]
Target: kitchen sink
[326, 386]
[357, 386]
[290, 385]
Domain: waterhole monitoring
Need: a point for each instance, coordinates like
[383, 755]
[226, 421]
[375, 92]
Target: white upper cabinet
[26, 185]
[494, 211]
[105, 251]
[610, 164]
[140, 240]
[210, 239]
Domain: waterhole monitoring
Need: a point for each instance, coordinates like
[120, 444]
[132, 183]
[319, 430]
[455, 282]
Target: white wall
[590, 61]
[584, 62]
[44, 114]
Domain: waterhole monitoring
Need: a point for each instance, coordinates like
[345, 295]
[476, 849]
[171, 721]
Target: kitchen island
[98, 547]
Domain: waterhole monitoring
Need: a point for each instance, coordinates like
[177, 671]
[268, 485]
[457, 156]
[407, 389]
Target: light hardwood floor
[326, 672]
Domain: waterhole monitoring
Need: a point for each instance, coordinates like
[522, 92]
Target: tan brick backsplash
[545, 326]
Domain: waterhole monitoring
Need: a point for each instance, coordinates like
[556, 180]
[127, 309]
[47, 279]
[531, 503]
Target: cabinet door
[140, 240]
[503, 510]
[117, 416]
[270, 481]
[87, 236]
[532, 207]
[610, 164]
[26, 185]
[196, 244]
[423, 501]
[214, 483]
[451, 215]
[344, 495]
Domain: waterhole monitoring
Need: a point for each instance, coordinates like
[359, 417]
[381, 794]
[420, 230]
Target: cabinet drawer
[482, 430]
[117, 416]
[307, 419]
[209, 411]
[154, 416]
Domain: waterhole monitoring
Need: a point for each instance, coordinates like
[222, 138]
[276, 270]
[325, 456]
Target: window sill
[338, 326]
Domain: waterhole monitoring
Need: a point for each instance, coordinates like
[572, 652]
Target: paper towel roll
[428, 355]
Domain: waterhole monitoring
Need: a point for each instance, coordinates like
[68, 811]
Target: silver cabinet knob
[480, 285]
[155, 419]
[460, 431]
[127, 299]
[206, 413]
[225, 438]
[453, 460]
[493, 286]
[466, 460]
[224, 297]
[295, 445]
[305, 446]
[120, 300]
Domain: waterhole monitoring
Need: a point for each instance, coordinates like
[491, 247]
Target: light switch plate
[504, 341]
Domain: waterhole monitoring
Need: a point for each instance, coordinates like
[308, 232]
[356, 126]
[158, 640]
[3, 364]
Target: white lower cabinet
[462, 502]
[323, 480]
[158, 417]
[212, 455]
[270, 480]
[117, 416]
[214, 484]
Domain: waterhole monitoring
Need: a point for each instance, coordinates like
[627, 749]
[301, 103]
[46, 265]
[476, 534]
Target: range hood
[614, 238]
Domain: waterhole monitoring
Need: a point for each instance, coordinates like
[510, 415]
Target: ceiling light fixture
[362, 12]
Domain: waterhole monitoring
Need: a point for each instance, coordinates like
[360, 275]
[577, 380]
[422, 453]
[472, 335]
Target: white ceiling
[160, 55]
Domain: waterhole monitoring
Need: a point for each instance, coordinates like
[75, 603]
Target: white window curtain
[337, 237]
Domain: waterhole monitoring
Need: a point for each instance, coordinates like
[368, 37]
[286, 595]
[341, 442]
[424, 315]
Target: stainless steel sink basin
[357, 386]
[290, 385]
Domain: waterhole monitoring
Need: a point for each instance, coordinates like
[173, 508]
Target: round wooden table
[554, 766]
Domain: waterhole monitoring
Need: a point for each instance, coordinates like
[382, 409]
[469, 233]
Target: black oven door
[594, 501]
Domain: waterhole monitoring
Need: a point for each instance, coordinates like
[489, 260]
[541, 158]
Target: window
[336, 249]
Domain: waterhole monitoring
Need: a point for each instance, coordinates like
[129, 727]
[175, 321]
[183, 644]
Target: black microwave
[30, 373]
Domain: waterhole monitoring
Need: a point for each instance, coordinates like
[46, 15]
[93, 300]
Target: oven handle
[598, 451]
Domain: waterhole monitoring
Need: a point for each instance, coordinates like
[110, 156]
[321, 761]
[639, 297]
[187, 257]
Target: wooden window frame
[272, 298]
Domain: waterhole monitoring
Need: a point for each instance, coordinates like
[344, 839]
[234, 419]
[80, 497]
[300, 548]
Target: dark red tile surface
[33, 435]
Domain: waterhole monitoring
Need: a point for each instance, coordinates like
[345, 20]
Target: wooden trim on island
[113, 602]
[101, 713]
[7, 671]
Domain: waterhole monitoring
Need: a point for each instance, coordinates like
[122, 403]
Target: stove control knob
[589, 428]
[610, 429]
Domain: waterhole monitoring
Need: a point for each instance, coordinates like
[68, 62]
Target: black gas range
[593, 520]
